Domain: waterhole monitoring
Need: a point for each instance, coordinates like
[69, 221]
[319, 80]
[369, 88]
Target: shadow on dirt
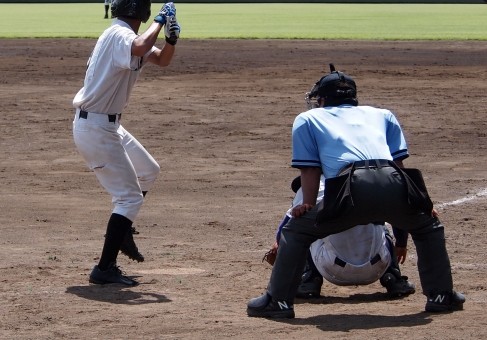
[117, 294]
[352, 299]
[350, 322]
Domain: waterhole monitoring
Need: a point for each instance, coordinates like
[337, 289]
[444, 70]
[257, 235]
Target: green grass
[264, 21]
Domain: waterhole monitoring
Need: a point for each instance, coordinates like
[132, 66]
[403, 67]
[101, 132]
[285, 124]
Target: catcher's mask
[134, 9]
[336, 88]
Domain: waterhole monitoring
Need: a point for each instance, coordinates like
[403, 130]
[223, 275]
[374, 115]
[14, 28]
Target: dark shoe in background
[311, 288]
[311, 281]
[397, 286]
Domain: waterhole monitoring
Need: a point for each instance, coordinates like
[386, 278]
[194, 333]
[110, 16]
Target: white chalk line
[482, 193]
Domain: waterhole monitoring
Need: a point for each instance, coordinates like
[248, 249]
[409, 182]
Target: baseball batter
[121, 164]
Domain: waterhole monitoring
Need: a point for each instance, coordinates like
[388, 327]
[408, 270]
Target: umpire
[359, 150]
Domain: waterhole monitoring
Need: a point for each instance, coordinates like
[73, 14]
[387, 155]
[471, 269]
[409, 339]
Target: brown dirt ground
[218, 121]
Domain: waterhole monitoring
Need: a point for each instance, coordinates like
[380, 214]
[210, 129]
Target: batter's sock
[135, 231]
[117, 227]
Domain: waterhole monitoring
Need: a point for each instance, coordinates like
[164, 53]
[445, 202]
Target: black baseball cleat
[311, 281]
[112, 275]
[444, 302]
[311, 288]
[397, 287]
[266, 307]
[129, 248]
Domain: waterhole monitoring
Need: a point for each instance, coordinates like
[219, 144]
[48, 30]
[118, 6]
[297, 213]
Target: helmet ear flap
[312, 96]
[314, 90]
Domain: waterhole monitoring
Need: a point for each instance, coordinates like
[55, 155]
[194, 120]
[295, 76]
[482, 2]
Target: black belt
[366, 164]
[372, 163]
[84, 115]
[342, 263]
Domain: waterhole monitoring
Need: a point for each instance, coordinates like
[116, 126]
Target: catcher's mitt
[270, 256]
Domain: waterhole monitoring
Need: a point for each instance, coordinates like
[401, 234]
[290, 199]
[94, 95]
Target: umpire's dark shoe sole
[444, 302]
[266, 307]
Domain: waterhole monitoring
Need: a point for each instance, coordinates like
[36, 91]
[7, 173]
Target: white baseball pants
[122, 165]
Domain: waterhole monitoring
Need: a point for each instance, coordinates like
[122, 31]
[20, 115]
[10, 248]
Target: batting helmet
[134, 9]
[336, 88]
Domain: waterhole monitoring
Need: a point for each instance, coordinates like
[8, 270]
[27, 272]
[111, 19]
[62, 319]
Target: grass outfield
[264, 21]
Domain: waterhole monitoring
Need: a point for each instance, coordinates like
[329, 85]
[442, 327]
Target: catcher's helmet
[135, 9]
[336, 88]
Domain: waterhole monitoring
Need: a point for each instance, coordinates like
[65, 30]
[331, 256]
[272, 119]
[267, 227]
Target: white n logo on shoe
[282, 305]
[440, 298]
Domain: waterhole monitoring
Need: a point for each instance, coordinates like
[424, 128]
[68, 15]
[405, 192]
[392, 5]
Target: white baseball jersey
[357, 256]
[121, 164]
[112, 71]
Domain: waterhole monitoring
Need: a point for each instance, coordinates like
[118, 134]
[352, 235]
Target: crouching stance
[358, 256]
[360, 151]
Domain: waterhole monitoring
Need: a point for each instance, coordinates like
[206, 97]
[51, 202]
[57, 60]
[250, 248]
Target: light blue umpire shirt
[332, 137]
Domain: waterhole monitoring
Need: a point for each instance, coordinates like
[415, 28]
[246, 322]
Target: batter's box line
[479, 195]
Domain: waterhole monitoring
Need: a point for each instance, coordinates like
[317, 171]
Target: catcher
[357, 256]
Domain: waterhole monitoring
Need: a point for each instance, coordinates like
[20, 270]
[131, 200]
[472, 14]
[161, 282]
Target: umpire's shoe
[266, 307]
[397, 286]
[129, 248]
[444, 302]
[112, 275]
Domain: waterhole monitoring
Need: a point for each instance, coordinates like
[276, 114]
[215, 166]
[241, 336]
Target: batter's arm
[162, 57]
[144, 42]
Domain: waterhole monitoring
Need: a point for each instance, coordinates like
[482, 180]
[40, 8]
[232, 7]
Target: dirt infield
[218, 120]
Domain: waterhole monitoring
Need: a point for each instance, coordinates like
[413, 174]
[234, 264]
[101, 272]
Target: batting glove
[167, 11]
[172, 30]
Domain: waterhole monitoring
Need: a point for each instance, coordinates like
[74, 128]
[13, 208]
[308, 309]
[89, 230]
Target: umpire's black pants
[382, 194]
